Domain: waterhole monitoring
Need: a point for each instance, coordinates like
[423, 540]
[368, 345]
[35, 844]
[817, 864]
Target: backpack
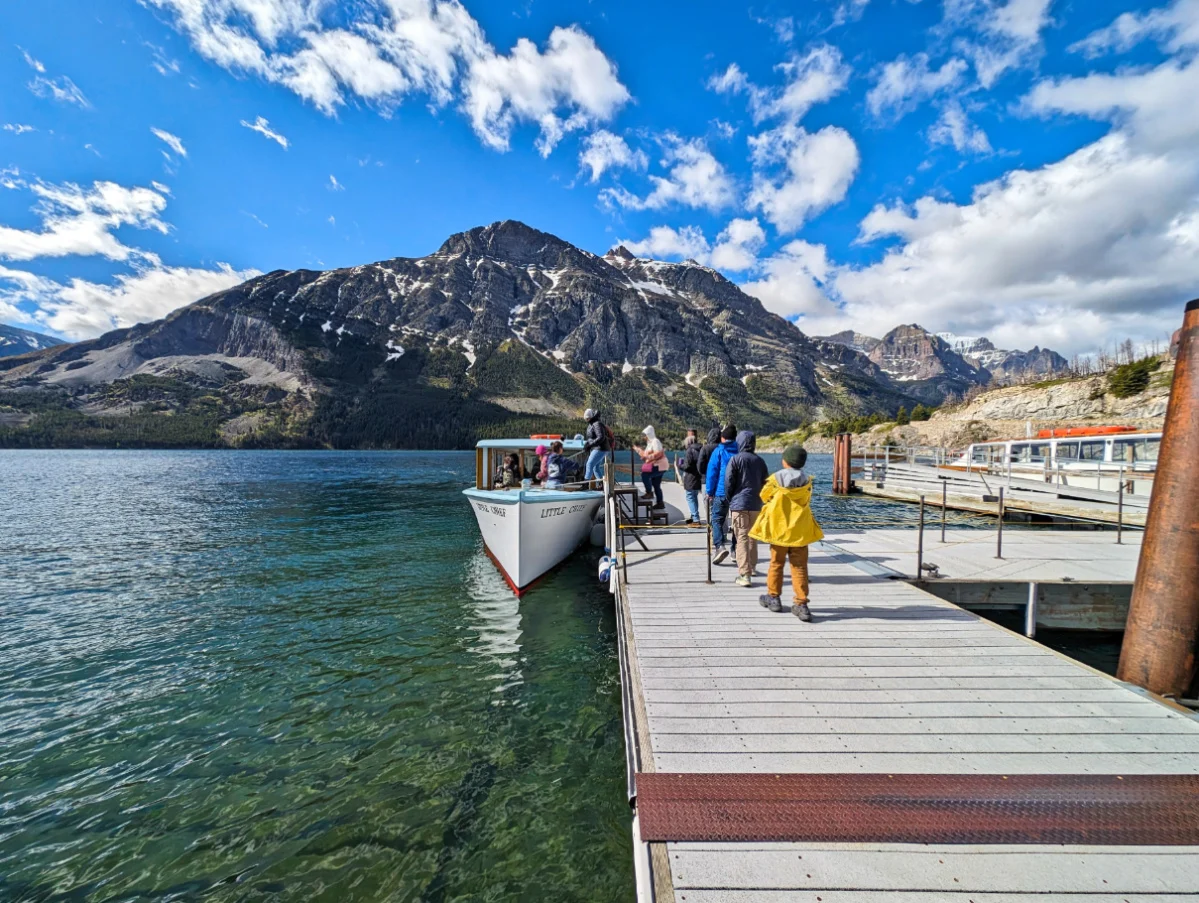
[611, 437]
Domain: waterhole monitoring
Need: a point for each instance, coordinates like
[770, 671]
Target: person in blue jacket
[714, 486]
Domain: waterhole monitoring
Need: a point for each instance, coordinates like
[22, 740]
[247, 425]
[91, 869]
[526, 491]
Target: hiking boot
[721, 554]
[771, 602]
[647, 495]
[690, 521]
[743, 581]
[800, 610]
[660, 506]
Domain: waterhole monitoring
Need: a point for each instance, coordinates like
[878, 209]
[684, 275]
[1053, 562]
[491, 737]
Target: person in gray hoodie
[744, 478]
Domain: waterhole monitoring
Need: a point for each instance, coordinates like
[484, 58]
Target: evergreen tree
[901, 416]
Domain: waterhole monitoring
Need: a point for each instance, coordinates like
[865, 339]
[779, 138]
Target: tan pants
[747, 549]
[798, 556]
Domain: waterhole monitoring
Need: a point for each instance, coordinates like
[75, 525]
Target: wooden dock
[887, 681]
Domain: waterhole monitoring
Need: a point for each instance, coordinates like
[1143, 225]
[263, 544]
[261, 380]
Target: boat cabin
[490, 455]
[1071, 449]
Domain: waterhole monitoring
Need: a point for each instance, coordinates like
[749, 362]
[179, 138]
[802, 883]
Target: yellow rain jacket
[786, 518]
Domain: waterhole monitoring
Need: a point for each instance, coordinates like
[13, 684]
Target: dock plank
[886, 679]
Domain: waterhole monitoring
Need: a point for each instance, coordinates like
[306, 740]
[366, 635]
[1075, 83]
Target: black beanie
[795, 456]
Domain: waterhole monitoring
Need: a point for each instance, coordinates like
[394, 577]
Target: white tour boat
[528, 529]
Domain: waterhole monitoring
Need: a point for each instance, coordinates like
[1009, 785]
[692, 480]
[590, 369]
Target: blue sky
[1026, 169]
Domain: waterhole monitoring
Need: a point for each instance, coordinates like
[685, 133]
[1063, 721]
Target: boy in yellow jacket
[787, 525]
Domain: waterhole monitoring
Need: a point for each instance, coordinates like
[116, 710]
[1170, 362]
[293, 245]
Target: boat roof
[1133, 434]
[567, 444]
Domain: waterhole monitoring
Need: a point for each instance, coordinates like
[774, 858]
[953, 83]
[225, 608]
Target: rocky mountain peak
[20, 341]
[620, 252]
[911, 354]
[511, 241]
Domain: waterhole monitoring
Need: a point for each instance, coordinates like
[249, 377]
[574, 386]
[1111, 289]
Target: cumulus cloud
[81, 309]
[1010, 33]
[792, 283]
[603, 151]
[382, 51]
[809, 79]
[263, 128]
[81, 221]
[696, 179]
[797, 174]
[736, 247]
[955, 128]
[906, 81]
[1176, 26]
[171, 141]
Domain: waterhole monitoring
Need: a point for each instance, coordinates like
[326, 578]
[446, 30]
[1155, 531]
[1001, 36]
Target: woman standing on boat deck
[653, 466]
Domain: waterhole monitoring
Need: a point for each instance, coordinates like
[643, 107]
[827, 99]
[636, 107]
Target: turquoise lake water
[296, 676]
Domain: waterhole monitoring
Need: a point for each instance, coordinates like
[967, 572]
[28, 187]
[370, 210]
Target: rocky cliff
[504, 327]
[22, 341]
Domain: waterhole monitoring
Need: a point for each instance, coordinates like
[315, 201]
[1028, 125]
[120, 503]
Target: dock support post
[999, 534]
[944, 504]
[708, 506]
[1120, 510]
[920, 545]
[1163, 618]
[1030, 612]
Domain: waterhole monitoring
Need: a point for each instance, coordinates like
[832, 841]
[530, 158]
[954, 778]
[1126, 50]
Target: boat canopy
[570, 445]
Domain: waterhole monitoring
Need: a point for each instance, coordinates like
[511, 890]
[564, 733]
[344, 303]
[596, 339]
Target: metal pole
[708, 506]
[999, 535]
[920, 544]
[1120, 510]
[1030, 612]
[944, 504]
[1163, 618]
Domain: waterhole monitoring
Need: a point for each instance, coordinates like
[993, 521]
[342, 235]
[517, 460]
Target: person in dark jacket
[688, 465]
[705, 454]
[596, 443]
[714, 486]
[745, 476]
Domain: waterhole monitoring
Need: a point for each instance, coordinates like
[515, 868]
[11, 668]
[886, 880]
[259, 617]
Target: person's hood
[540, 450]
[649, 433]
[591, 415]
[746, 441]
[790, 478]
[713, 436]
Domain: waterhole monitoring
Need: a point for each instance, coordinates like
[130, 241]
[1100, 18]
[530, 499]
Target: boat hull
[526, 532]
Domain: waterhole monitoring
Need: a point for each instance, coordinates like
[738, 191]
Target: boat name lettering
[491, 509]
[558, 512]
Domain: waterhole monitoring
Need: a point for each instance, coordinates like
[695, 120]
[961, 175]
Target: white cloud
[850, 11]
[382, 51]
[906, 81]
[697, 179]
[736, 246]
[791, 283]
[818, 169]
[171, 141]
[34, 64]
[81, 221]
[17, 128]
[263, 127]
[81, 309]
[1176, 26]
[810, 79]
[1010, 34]
[335, 185]
[667, 242]
[61, 89]
[160, 188]
[603, 151]
[955, 128]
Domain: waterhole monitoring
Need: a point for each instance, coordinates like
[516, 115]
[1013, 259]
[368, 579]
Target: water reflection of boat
[495, 614]
[528, 529]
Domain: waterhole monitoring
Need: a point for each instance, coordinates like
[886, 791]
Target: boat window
[1067, 451]
[1042, 451]
[1135, 451]
[1092, 451]
[1021, 453]
[985, 454]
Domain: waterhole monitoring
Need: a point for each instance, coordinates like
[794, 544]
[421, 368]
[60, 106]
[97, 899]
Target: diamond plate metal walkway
[886, 683]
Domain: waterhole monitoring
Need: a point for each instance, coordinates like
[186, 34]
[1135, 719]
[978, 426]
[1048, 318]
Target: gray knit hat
[795, 456]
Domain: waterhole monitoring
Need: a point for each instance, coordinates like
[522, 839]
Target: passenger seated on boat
[510, 473]
[558, 468]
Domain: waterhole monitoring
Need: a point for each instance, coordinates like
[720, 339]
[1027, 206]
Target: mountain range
[504, 330]
[21, 341]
